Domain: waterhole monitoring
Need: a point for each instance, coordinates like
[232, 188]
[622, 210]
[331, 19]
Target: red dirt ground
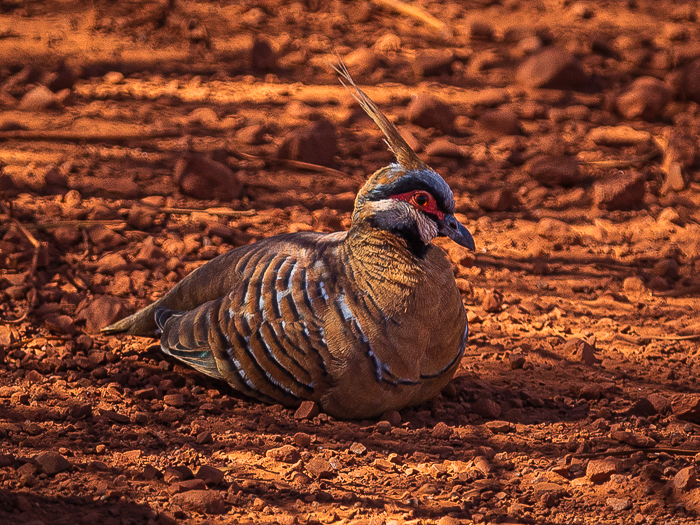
[140, 139]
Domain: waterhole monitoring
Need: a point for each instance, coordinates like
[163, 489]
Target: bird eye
[421, 199]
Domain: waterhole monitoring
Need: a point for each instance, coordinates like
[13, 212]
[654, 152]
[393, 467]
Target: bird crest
[404, 154]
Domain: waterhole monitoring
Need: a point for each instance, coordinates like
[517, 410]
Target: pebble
[517, 361]
[645, 98]
[600, 470]
[174, 400]
[101, 312]
[314, 144]
[498, 199]
[442, 147]
[557, 231]
[319, 468]
[500, 122]
[67, 235]
[306, 410]
[625, 191]
[552, 68]
[480, 30]
[302, 439]
[634, 288]
[687, 407]
[427, 111]
[38, 98]
[392, 417]
[186, 486]
[487, 408]
[111, 263]
[633, 439]
[51, 463]
[690, 82]
[253, 134]
[581, 350]
[685, 479]
[560, 170]
[388, 43]
[492, 302]
[617, 136]
[500, 427]
[104, 238]
[432, 62]
[202, 501]
[358, 449]
[361, 61]
[142, 216]
[203, 178]
[285, 454]
[618, 504]
[441, 431]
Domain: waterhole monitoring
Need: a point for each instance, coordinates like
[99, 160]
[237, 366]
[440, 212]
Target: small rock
[186, 486]
[581, 350]
[111, 263]
[203, 178]
[558, 170]
[500, 122]
[383, 427]
[358, 448]
[687, 407]
[498, 199]
[480, 30]
[114, 187]
[690, 84]
[104, 238]
[430, 62]
[441, 431]
[618, 504]
[622, 192]
[427, 111]
[51, 463]
[319, 468]
[661, 403]
[487, 408]
[174, 400]
[634, 288]
[113, 77]
[67, 235]
[38, 99]
[617, 136]
[307, 410]
[302, 439]
[203, 116]
[315, 144]
[387, 43]
[646, 98]
[142, 216]
[557, 231]
[202, 501]
[361, 61]
[633, 439]
[392, 417]
[600, 470]
[500, 427]
[517, 361]
[101, 312]
[442, 147]
[685, 479]
[210, 475]
[669, 216]
[60, 324]
[253, 134]
[552, 68]
[285, 454]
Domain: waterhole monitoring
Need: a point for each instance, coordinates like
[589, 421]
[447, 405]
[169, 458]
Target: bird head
[407, 198]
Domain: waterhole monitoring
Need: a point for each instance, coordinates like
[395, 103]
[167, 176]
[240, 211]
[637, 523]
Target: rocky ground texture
[140, 139]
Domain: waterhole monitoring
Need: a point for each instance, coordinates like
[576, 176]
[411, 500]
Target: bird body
[361, 322]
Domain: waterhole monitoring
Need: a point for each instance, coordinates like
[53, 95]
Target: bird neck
[383, 266]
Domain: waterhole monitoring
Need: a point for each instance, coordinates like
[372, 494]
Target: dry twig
[418, 13]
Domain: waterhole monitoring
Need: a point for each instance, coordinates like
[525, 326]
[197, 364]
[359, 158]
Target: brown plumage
[361, 322]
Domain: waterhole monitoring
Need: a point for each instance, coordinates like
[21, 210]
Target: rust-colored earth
[140, 139]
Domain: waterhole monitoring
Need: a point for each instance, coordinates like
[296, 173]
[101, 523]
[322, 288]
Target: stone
[617, 136]
[427, 111]
[619, 504]
[111, 263]
[185, 486]
[634, 288]
[498, 199]
[319, 468]
[690, 83]
[685, 479]
[625, 191]
[492, 302]
[314, 144]
[101, 312]
[686, 407]
[633, 439]
[387, 43]
[487, 408]
[51, 463]
[253, 134]
[104, 237]
[358, 449]
[442, 147]
[114, 187]
[60, 324]
[203, 178]
[174, 400]
[517, 361]
[441, 431]
[142, 216]
[361, 61]
[480, 30]
[581, 350]
[557, 231]
[307, 410]
[285, 454]
[392, 417]
[38, 98]
[210, 475]
[500, 122]
[302, 439]
[560, 170]
[645, 98]
[67, 235]
[202, 501]
[432, 62]
[600, 470]
[552, 68]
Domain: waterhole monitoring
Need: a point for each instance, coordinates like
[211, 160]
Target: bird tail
[140, 323]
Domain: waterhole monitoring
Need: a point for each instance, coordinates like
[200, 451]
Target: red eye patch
[421, 200]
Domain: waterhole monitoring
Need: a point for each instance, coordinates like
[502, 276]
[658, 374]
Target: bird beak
[455, 230]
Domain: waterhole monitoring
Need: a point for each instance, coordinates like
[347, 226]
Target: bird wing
[265, 337]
